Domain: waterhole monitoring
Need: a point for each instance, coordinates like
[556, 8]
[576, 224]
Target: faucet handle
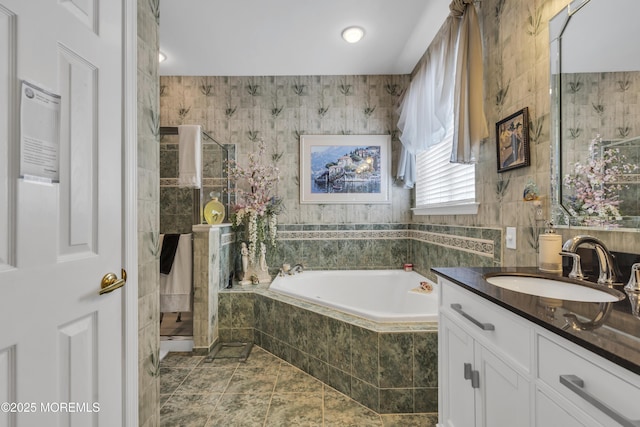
[634, 279]
[576, 270]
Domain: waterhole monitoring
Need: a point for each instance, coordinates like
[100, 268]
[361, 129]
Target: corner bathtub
[380, 295]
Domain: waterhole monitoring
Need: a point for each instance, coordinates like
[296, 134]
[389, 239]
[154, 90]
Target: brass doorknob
[110, 282]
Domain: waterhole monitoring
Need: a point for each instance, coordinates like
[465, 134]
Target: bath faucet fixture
[634, 280]
[298, 268]
[608, 269]
[576, 270]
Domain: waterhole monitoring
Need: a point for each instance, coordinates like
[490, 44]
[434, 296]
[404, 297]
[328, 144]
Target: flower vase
[255, 272]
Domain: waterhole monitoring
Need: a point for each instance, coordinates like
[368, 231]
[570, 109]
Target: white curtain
[427, 105]
[470, 124]
[433, 96]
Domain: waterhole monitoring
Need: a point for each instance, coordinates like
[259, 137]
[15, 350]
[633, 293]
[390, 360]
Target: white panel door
[61, 343]
[503, 397]
[456, 349]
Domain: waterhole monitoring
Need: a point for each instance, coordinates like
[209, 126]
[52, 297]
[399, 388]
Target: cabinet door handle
[475, 379]
[575, 384]
[483, 326]
[470, 374]
[467, 371]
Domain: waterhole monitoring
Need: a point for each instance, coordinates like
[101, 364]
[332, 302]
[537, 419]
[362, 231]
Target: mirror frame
[559, 214]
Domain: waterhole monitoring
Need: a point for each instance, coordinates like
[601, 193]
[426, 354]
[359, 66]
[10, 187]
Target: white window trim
[462, 208]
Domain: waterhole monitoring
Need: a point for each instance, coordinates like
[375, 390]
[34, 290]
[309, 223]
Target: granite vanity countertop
[618, 339]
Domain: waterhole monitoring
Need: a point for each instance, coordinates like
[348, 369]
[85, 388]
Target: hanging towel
[176, 287]
[189, 156]
[168, 253]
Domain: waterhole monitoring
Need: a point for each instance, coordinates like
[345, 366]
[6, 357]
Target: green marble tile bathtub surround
[355, 360]
[339, 379]
[425, 359]
[339, 344]
[395, 360]
[242, 309]
[425, 399]
[365, 393]
[396, 401]
[365, 349]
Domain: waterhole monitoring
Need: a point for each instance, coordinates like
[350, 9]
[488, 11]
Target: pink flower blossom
[596, 185]
[256, 206]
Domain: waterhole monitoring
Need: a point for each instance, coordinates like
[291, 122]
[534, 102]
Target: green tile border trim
[343, 235]
[481, 247]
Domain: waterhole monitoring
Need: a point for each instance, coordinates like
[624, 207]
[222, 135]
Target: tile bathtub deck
[263, 391]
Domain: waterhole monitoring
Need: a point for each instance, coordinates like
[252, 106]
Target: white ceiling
[295, 37]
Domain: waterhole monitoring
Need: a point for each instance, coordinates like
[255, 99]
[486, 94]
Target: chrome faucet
[608, 269]
[298, 268]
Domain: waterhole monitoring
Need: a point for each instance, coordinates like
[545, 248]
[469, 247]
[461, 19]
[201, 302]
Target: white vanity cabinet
[484, 367]
[588, 388]
[498, 369]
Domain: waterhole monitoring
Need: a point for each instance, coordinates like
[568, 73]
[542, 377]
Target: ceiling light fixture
[352, 34]
[161, 57]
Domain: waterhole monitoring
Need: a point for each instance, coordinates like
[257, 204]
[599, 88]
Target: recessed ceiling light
[161, 57]
[352, 34]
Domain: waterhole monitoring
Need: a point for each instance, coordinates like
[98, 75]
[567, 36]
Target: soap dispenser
[549, 248]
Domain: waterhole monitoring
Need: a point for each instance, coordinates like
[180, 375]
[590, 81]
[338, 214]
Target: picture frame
[512, 141]
[345, 169]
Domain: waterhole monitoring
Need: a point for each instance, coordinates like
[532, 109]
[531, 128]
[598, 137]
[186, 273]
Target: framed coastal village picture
[345, 168]
[512, 141]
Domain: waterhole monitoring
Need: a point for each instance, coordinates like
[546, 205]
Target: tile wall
[177, 204]
[213, 265]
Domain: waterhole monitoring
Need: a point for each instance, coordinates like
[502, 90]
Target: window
[444, 188]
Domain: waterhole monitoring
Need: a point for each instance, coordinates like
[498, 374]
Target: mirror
[595, 114]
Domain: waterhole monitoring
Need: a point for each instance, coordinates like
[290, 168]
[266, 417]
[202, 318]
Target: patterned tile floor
[263, 391]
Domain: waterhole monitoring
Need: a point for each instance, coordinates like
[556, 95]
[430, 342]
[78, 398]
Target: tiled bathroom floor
[263, 391]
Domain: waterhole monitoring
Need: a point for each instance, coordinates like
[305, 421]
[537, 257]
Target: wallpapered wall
[516, 72]
[240, 110]
[243, 110]
[148, 222]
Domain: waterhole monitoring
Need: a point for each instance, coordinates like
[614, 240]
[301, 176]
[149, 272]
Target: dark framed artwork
[345, 169]
[512, 141]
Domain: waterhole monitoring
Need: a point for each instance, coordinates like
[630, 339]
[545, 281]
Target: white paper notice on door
[39, 134]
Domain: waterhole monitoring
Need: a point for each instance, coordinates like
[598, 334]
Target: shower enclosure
[181, 208]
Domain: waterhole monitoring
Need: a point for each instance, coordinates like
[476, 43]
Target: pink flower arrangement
[596, 185]
[256, 206]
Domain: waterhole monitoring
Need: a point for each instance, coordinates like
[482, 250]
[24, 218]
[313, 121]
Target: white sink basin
[551, 288]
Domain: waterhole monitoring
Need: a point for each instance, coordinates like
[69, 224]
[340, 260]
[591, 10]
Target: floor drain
[230, 350]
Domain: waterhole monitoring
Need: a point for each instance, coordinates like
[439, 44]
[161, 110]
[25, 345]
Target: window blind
[440, 183]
